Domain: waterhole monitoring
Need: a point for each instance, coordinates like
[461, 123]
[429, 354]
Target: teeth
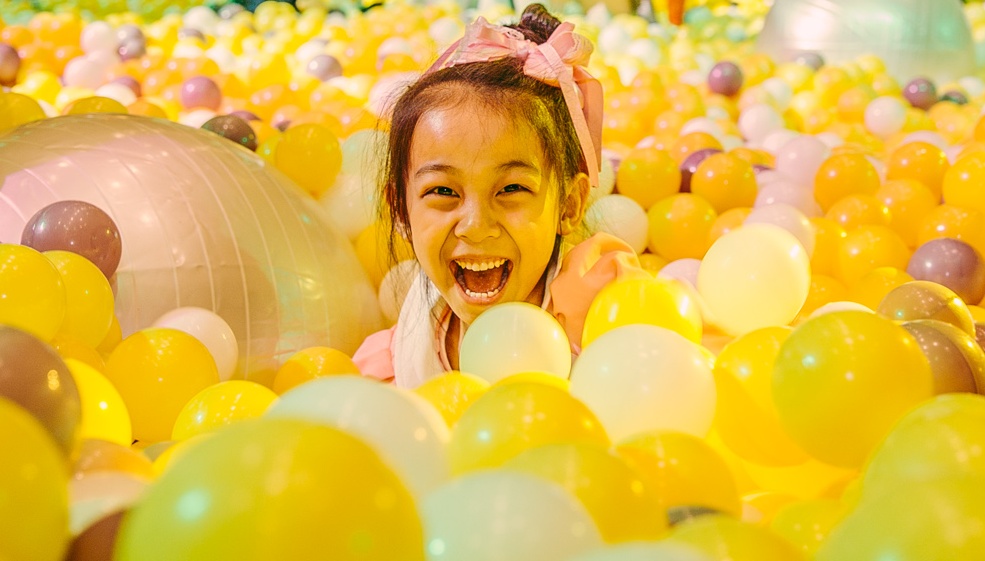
[489, 294]
[481, 265]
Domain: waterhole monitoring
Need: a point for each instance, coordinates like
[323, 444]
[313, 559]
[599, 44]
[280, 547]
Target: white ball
[684, 270]
[83, 73]
[705, 125]
[196, 117]
[512, 338]
[930, 137]
[801, 157]
[350, 205]
[209, 328]
[119, 92]
[646, 51]
[885, 115]
[401, 426]
[779, 89]
[309, 50]
[444, 31]
[775, 140]
[830, 139]
[620, 216]
[614, 39]
[98, 36]
[757, 121]
[840, 306]
[787, 217]
[201, 18]
[973, 85]
[394, 45]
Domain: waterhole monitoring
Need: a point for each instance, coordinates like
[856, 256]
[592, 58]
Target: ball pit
[803, 369]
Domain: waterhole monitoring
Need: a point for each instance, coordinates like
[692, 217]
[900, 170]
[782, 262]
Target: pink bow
[558, 62]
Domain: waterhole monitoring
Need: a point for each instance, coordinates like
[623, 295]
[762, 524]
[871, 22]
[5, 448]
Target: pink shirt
[584, 270]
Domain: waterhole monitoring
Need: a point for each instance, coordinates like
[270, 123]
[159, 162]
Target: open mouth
[482, 279]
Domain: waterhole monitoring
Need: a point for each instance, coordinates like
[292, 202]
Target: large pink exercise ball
[204, 223]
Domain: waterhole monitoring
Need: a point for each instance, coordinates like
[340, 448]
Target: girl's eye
[513, 188]
[442, 191]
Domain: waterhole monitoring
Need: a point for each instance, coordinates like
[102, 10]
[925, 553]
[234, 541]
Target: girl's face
[483, 208]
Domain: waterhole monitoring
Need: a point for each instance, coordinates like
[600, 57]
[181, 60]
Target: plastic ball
[806, 524]
[323, 67]
[682, 470]
[311, 363]
[680, 225]
[515, 337]
[104, 414]
[643, 301]
[842, 175]
[17, 109]
[614, 377]
[885, 116]
[952, 263]
[927, 300]
[747, 420]
[945, 527]
[644, 551]
[758, 120]
[725, 78]
[88, 297]
[331, 479]
[534, 519]
[648, 175]
[872, 378]
[620, 216]
[872, 288]
[756, 276]
[10, 64]
[406, 432]
[615, 495]
[452, 393]
[237, 225]
[869, 247]
[801, 158]
[33, 376]
[233, 128]
[33, 488]
[94, 104]
[725, 181]
[909, 202]
[209, 328]
[32, 290]
[920, 161]
[220, 405]
[310, 155]
[921, 93]
[511, 418]
[788, 218]
[156, 371]
[956, 360]
[690, 165]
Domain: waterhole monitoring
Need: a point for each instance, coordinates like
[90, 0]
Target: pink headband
[558, 62]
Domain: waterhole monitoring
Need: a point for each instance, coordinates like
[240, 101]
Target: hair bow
[558, 62]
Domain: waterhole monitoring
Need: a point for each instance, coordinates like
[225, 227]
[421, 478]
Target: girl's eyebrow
[513, 164]
[434, 168]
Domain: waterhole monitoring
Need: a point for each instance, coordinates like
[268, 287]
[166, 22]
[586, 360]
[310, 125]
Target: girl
[489, 164]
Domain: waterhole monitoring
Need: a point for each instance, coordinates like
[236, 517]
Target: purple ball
[132, 47]
[690, 165]
[921, 93]
[233, 128]
[200, 92]
[130, 82]
[191, 33]
[725, 78]
[79, 227]
[952, 263]
[811, 59]
[10, 65]
[129, 31]
[759, 168]
[324, 67]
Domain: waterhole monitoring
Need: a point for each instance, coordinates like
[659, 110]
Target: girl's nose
[476, 222]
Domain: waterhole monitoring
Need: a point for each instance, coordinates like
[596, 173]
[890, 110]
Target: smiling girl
[490, 161]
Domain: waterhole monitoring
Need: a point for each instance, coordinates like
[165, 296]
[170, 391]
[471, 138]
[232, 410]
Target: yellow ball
[32, 293]
[683, 470]
[222, 404]
[33, 489]
[726, 539]
[94, 104]
[104, 414]
[157, 371]
[664, 303]
[453, 392]
[515, 417]
[17, 109]
[841, 380]
[614, 494]
[89, 297]
[310, 155]
[310, 363]
[746, 416]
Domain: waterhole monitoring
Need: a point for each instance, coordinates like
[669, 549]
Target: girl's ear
[575, 204]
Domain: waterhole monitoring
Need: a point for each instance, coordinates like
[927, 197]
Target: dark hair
[498, 85]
